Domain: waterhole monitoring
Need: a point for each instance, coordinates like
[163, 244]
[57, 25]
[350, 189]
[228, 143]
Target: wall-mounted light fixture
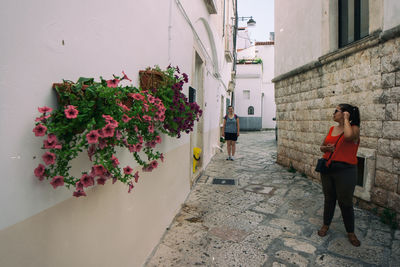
[250, 23]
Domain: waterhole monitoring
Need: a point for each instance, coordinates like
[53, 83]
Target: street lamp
[250, 23]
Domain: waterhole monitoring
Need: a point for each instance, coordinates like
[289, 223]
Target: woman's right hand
[327, 148]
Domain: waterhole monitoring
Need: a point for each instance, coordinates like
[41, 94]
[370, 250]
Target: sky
[262, 12]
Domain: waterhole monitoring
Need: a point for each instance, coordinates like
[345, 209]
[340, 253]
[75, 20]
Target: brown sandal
[353, 239]
[323, 230]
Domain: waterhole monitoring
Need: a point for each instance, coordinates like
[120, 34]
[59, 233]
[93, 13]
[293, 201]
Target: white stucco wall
[266, 53]
[59, 40]
[391, 17]
[243, 39]
[297, 33]
[248, 77]
[247, 53]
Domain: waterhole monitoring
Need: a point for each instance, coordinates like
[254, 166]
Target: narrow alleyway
[269, 217]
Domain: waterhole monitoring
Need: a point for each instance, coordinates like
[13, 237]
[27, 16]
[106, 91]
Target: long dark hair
[354, 113]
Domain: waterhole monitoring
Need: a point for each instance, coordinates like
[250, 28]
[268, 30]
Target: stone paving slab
[268, 218]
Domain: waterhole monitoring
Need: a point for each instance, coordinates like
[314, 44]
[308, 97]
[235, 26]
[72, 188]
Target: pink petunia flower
[107, 118]
[71, 112]
[140, 138]
[149, 168]
[125, 118]
[79, 193]
[128, 170]
[102, 143]
[51, 142]
[162, 157]
[102, 180]
[99, 170]
[118, 135]
[45, 109]
[108, 130]
[49, 158]
[114, 161]
[125, 77]
[39, 172]
[130, 187]
[79, 185]
[158, 139]
[114, 180]
[91, 151]
[92, 137]
[40, 130]
[138, 147]
[87, 180]
[43, 118]
[57, 181]
[113, 83]
[150, 128]
[136, 96]
[124, 107]
[154, 164]
[136, 176]
[147, 117]
[52, 137]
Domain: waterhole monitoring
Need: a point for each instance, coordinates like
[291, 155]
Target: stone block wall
[366, 75]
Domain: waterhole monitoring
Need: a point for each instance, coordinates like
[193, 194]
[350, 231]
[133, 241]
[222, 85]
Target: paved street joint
[269, 217]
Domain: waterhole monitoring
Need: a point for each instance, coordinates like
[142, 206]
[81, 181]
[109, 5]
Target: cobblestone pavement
[269, 218]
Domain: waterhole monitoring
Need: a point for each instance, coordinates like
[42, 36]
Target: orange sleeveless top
[345, 151]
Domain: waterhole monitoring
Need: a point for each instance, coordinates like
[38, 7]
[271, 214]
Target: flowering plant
[180, 114]
[96, 118]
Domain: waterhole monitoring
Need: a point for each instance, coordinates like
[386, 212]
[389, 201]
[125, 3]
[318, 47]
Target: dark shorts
[231, 136]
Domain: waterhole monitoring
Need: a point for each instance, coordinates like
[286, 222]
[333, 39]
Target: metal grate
[223, 181]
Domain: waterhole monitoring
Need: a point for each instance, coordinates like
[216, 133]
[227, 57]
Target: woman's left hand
[238, 134]
[346, 115]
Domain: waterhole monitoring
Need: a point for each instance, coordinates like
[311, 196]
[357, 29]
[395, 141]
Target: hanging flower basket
[94, 118]
[151, 78]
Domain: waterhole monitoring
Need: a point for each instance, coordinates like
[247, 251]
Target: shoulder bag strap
[333, 152]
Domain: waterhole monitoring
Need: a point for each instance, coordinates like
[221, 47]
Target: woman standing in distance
[339, 183]
[230, 130]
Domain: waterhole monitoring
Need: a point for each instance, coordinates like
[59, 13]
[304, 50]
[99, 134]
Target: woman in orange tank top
[339, 183]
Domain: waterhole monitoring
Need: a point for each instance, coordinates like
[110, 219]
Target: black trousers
[339, 185]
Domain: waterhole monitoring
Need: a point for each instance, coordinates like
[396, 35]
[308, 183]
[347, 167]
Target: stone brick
[391, 112]
[376, 65]
[390, 63]
[388, 48]
[395, 148]
[395, 95]
[379, 196]
[372, 112]
[391, 129]
[369, 142]
[371, 128]
[398, 78]
[386, 180]
[394, 201]
[384, 147]
[388, 80]
[384, 163]
[396, 166]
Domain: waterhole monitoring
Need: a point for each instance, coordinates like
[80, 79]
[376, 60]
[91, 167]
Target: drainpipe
[234, 37]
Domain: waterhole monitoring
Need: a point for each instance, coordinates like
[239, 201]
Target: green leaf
[85, 80]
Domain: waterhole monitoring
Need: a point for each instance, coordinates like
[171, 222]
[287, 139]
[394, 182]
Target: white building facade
[56, 40]
[341, 52]
[254, 92]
